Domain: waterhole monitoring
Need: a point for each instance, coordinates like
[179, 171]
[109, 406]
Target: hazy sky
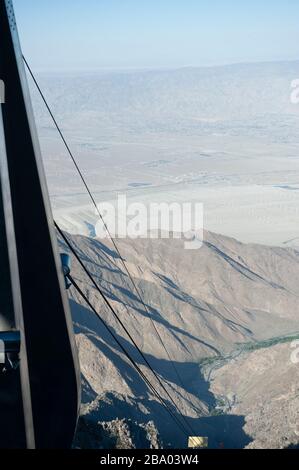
[87, 34]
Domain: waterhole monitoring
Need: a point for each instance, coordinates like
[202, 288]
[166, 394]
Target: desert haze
[224, 136]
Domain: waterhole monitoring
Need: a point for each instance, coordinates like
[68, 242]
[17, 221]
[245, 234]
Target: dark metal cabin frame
[49, 374]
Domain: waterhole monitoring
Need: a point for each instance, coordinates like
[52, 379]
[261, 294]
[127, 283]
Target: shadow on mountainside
[224, 431]
[155, 315]
[87, 323]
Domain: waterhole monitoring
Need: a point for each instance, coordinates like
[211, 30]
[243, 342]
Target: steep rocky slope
[219, 301]
[264, 387]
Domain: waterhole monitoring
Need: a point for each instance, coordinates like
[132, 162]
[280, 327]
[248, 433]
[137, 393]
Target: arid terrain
[227, 314]
[222, 319]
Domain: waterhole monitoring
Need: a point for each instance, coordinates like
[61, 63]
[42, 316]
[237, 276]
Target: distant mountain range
[187, 100]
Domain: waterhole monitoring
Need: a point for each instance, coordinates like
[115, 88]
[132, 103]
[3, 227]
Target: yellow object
[197, 442]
